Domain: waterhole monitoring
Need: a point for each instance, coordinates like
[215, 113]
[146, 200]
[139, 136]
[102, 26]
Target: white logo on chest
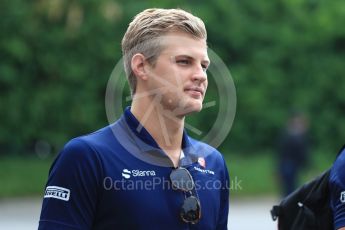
[137, 173]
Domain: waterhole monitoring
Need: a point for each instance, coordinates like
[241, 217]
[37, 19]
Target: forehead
[179, 43]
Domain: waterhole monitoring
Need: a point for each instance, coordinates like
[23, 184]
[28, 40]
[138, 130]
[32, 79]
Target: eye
[204, 67]
[183, 62]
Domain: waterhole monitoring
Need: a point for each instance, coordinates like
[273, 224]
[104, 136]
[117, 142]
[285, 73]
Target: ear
[138, 66]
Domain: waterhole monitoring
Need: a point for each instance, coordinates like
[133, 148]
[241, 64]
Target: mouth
[196, 92]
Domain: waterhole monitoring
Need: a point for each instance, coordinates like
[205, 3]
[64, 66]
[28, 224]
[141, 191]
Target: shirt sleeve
[337, 188]
[224, 205]
[72, 189]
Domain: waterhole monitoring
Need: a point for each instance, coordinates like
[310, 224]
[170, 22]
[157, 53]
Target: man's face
[178, 78]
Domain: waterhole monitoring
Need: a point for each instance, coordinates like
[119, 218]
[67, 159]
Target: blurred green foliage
[57, 55]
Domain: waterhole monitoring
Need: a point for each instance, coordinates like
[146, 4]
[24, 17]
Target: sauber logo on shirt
[57, 193]
[202, 162]
[342, 197]
[136, 172]
[126, 173]
[207, 171]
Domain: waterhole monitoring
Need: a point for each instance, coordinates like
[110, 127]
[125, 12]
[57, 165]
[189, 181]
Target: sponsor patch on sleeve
[57, 193]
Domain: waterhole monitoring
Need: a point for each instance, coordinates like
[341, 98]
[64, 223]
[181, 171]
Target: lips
[195, 91]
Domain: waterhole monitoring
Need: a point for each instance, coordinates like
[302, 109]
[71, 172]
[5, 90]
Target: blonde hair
[142, 33]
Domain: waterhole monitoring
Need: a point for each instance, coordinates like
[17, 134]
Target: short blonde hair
[142, 33]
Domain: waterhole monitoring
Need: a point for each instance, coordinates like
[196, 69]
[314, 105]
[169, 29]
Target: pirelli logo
[57, 193]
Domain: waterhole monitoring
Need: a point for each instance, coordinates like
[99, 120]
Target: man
[293, 151]
[337, 188]
[144, 171]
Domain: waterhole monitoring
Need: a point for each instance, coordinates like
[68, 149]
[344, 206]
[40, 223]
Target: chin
[194, 107]
[186, 108]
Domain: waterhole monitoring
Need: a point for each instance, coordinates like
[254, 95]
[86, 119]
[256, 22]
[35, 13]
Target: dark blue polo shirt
[118, 178]
[337, 188]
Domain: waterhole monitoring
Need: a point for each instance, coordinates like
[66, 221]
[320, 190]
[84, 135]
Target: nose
[199, 75]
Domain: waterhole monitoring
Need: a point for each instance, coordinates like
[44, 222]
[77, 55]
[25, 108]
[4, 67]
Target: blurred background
[286, 57]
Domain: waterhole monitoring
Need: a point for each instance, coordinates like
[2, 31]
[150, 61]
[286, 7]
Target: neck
[165, 128]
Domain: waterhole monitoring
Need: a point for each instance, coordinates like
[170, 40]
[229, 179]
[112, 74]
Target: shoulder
[85, 148]
[75, 154]
[337, 171]
[337, 190]
[95, 142]
[99, 137]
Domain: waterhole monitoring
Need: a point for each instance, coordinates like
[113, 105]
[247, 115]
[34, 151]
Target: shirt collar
[147, 144]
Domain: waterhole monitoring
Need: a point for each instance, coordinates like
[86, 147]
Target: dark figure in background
[293, 152]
